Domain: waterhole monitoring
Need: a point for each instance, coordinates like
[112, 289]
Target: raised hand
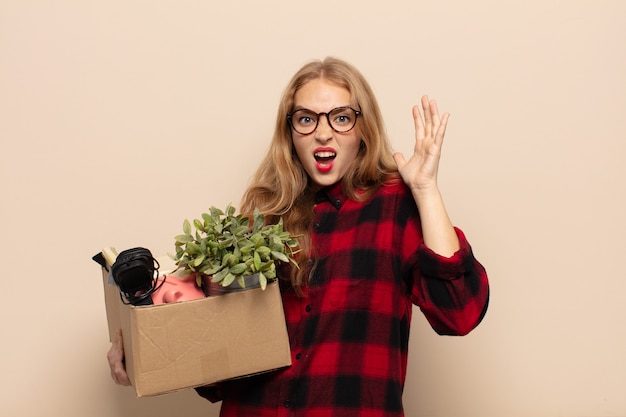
[420, 171]
[420, 174]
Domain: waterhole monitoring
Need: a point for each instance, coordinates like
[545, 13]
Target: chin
[325, 182]
[324, 179]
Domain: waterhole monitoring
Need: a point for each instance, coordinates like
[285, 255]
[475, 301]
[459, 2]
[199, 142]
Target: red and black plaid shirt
[349, 335]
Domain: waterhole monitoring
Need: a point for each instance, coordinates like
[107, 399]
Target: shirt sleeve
[213, 392]
[453, 293]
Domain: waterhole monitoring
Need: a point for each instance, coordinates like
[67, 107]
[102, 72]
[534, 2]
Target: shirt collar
[333, 194]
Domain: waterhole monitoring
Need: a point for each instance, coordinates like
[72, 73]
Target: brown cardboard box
[170, 347]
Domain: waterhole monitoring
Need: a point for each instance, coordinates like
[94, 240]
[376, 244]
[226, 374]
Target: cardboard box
[170, 347]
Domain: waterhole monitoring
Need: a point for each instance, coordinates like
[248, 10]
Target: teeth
[324, 154]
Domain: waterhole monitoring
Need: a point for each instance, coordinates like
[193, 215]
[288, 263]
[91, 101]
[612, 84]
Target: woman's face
[325, 154]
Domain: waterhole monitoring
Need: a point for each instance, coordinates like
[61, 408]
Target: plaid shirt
[349, 335]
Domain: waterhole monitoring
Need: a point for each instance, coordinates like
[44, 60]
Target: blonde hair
[281, 186]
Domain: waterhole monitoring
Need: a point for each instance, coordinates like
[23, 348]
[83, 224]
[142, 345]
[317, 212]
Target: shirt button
[316, 226]
[298, 355]
[308, 309]
[287, 404]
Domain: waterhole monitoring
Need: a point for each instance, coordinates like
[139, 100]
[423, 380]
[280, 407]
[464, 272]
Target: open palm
[420, 171]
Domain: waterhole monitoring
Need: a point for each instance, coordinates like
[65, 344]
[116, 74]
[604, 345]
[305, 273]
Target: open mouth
[325, 157]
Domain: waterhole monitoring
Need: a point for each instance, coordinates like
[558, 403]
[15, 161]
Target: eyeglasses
[340, 119]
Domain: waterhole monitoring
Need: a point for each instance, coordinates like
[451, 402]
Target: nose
[323, 132]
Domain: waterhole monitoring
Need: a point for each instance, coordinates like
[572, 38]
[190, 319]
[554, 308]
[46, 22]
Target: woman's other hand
[115, 356]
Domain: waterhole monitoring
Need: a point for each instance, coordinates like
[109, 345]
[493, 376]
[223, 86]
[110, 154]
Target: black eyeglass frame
[357, 113]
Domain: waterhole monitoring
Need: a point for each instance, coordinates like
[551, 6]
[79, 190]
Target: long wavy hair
[281, 186]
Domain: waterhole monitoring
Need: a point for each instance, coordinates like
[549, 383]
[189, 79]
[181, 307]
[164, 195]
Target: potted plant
[228, 249]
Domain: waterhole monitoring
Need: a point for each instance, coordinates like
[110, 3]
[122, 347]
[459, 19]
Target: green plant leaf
[183, 239]
[263, 252]
[186, 227]
[242, 282]
[241, 230]
[198, 261]
[257, 240]
[265, 266]
[276, 242]
[250, 264]
[262, 281]
[229, 259]
[238, 269]
[270, 273]
[184, 273]
[281, 256]
[216, 213]
[257, 261]
[220, 275]
[236, 250]
[228, 279]
[246, 248]
[226, 243]
[193, 248]
[258, 221]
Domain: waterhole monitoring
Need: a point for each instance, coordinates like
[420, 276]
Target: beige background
[120, 118]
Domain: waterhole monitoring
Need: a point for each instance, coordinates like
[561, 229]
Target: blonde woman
[376, 240]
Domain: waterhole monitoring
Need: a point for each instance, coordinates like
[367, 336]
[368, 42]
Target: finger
[115, 357]
[419, 123]
[121, 377]
[114, 364]
[441, 131]
[428, 121]
[399, 158]
[118, 342]
[115, 354]
[119, 374]
[434, 111]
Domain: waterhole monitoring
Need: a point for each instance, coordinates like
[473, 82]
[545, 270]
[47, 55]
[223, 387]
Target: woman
[376, 239]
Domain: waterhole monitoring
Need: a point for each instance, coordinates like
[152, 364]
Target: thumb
[119, 340]
[399, 158]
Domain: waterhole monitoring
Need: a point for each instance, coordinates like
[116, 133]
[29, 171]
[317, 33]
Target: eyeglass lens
[341, 119]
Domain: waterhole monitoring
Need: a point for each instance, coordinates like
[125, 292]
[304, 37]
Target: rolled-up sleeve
[453, 293]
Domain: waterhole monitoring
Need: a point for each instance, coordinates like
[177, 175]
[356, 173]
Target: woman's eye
[305, 120]
[342, 119]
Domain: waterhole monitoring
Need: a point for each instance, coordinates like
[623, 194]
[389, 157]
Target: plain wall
[119, 119]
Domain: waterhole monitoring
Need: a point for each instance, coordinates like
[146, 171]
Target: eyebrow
[295, 108]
